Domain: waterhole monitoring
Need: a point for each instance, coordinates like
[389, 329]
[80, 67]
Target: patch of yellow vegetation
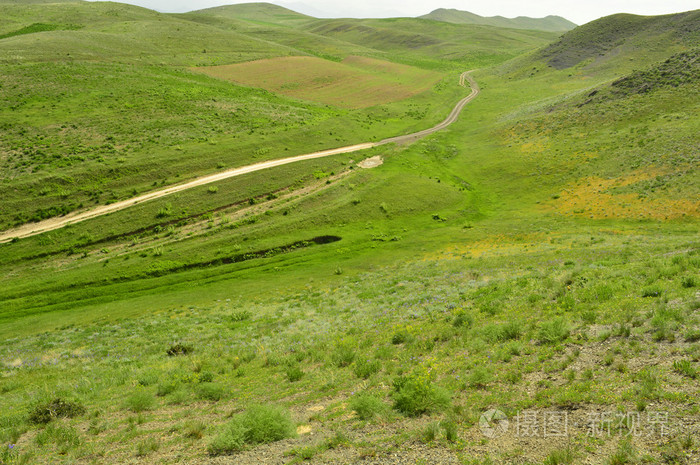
[592, 197]
[357, 82]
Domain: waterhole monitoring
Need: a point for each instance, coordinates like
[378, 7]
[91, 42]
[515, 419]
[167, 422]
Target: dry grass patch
[357, 82]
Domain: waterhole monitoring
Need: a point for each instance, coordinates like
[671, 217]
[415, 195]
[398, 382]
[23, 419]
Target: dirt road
[31, 229]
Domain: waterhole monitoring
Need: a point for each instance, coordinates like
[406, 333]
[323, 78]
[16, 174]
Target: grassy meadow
[539, 257]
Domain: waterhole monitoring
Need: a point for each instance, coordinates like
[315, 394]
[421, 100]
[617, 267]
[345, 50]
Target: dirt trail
[31, 229]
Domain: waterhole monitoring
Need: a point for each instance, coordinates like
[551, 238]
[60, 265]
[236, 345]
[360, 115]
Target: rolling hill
[538, 260]
[549, 23]
[624, 37]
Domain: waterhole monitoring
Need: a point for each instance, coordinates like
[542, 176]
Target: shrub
[258, 425]
[140, 400]
[689, 282]
[367, 406]
[686, 368]
[211, 391]
[415, 395]
[553, 331]
[57, 408]
[179, 349]
[399, 337]
[343, 356]
[480, 377]
[652, 291]
[294, 373]
[147, 446]
[241, 315]
[64, 437]
[365, 368]
[560, 457]
[462, 319]
[194, 429]
[166, 387]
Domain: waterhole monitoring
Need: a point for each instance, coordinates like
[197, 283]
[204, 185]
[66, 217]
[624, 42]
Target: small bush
[57, 408]
[194, 429]
[140, 401]
[652, 291]
[179, 349]
[462, 319]
[480, 377]
[343, 356]
[365, 368]
[689, 282]
[430, 432]
[692, 335]
[145, 447]
[240, 315]
[258, 425]
[367, 406]
[213, 189]
[166, 387]
[294, 373]
[554, 331]
[64, 437]
[399, 337]
[415, 395]
[560, 457]
[685, 368]
[211, 391]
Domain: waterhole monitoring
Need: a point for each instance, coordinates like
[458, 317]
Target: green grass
[537, 256]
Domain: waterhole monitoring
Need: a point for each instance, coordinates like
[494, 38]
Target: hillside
[549, 23]
[256, 12]
[624, 37]
[520, 287]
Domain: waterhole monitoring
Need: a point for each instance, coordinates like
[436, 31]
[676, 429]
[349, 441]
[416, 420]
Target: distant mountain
[550, 23]
[261, 12]
[621, 37]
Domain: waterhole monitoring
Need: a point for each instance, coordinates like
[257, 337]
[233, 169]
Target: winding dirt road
[31, 229]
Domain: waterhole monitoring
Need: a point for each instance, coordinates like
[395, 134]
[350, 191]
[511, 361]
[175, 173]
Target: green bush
[686, 368]
[367, 406]
[147, 446]
[260, 424]
[64, 438]
[179, 349]
[140, 400]
[57, 408]
[365, 368]
[652, 291]
[554, 331]
[415, 395]
[166, 387]
[343, 356]
[689, 282]
[211, 391]
[294, 373]
[480, 377]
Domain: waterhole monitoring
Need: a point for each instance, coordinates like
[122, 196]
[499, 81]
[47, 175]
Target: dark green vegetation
[549, 23]
[540, 255]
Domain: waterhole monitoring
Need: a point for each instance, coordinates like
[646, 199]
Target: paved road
[31, 229]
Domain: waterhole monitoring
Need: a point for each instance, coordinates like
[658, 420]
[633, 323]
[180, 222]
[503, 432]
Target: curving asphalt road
[31, 229]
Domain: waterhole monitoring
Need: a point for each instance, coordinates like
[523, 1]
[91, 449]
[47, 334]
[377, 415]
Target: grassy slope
[622, 42]
[87, 156]
[549, 23]
[458, 257]
[355, 83]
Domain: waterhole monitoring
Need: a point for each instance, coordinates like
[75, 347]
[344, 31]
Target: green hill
[256, 12]
[539, 256]
[548, 23]
[624, 37]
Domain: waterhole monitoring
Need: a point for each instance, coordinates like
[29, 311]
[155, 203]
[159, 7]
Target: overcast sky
[578, 11]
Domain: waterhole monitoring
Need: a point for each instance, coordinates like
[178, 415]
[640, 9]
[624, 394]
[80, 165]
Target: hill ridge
[550, 23]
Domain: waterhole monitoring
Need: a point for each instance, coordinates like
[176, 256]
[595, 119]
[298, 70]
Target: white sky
[578, 11]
